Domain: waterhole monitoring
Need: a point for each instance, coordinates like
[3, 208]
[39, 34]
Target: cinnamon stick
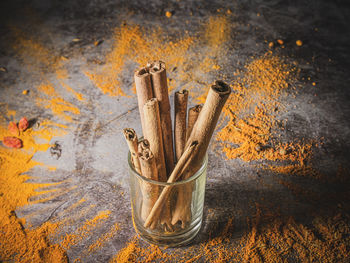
[153, 133]
[180, 99]
[201, 133]
[132, 141]
[144, 144]
[143, 90]
[162, 200]
[149, 191]
[207, 119]
[193, 113]
[182, 209]
[160, 91]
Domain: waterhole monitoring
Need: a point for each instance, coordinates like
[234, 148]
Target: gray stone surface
[93, 162]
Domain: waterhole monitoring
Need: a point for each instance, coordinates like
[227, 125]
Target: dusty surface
[93, 165]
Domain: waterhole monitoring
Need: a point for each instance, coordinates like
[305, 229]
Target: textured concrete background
[93, 161]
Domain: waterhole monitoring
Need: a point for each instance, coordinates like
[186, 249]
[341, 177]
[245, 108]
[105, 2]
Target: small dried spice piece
[280, 41]
[13, 129]
[168, 14]
[12, 142]
[56, 150]
[271, 45]
[299, 43]
[25, 92]
[23, 124]
[98, 42]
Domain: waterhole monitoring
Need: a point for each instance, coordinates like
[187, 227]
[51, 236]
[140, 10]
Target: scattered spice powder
[17, 242]
[85, 230]
[133, 252]
[250, 109]
[57, 104]
[33, 54]
[217, 31]
[251, 130]
[101, 241]
[30, 136]
[273, 238]
[270, 237]
[40, 60]
[77, 95]
[133, 43]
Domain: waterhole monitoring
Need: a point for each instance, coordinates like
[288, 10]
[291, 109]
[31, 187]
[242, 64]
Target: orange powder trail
[58, 105]
[77, 95]
[16, 242]
[40, 59]
[250, 109]
[133, 43]
[251, 115]
[135, 253]
[102, 240]
[33, 54]
[270, 237]
[85, 230]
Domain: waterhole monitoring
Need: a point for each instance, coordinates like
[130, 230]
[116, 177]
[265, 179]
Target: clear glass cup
[185, 202]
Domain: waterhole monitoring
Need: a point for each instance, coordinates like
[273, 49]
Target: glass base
[170, 239]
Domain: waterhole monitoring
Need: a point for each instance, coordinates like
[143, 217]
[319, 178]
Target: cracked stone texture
[93, 160]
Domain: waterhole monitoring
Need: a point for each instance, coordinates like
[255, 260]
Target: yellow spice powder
[133, 43]
[17, 242]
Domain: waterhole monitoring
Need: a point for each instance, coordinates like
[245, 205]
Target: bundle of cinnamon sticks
[155, 156]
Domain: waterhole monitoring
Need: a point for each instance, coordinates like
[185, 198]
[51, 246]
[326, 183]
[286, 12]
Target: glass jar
[184, 204]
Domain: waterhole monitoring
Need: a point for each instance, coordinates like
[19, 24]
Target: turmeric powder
[250, 132]
[134, 43]
[38, 59]
[58, 105]
[98, 244]
[16, 242]
[84, 230]
[133, 252]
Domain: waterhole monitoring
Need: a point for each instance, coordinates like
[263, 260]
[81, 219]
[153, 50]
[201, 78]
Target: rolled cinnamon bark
[160, 92]
[149, 191]
[162, 200]
[201, 133]
[143, 90]
[132, 141]
[153, 133]
[206, 123]
[180, 99]
[193, 113]
[182, 209]
[144, 144]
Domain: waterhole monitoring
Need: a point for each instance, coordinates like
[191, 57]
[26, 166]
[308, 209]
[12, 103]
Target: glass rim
[190, 179]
